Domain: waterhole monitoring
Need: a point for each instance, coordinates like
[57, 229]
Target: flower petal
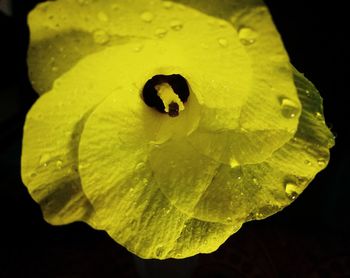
[49, 154]
[255, 191]
[119, 182]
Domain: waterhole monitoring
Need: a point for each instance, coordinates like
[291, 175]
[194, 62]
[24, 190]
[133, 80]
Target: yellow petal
[49, 155]
[255, 191]
[119, 182]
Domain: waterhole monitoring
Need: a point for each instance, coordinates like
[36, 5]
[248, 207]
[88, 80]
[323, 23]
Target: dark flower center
[166, 93]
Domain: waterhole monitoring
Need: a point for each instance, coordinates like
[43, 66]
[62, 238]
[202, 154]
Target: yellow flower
[167, 124]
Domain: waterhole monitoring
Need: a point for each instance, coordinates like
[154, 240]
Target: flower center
[166, 93]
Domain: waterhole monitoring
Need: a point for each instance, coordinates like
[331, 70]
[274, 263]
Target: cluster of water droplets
[47, 160]
[160, 32]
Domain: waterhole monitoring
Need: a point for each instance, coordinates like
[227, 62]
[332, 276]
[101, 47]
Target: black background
[310, 238]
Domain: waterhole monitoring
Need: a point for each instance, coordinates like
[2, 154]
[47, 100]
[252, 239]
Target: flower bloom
[167, 124]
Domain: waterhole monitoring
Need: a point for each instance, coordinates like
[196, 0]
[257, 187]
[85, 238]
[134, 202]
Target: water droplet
[33, 175]
[167, 4]
[160, 32]
[176, 25]
[289, 108]
[59, 164]
[145, 181]
[318, 116]
[331, 142]
[307, 92]
[138, 48]
[101, 37]
[247, 36]
[147, 17]
[292, 190]
[102, 17]
[322, 162]
[307, 162]
[131, 189]
[255, 181]
[223, 42]
[54, 69]
[233, 163]
[229, 220]
[167, 211]
[44, 160]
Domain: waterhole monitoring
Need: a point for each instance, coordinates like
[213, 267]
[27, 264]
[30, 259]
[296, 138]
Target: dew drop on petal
[321, 162]
[138, 48]
[331, 142]
[291, 189]
[147, 17]
[229, 220]
[223, 42]
[247, 36]
[289, 108]
[176, 25]
[233, 163]
[44, 160]
[59, 164]
[160, 32]
[318, 116]
[101, 37]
